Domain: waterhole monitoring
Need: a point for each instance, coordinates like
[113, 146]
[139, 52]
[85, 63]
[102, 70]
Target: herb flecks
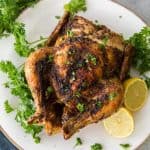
[8, 107]
[70, 33]
[103, 43]
[57, 17]
[98, 104]
[50, 58]
[77, 94]
[91, 58]
[112, 95]
[74, 6]
[81, 107]
[49, 91]
[125, 146]
[96, 146]
[78, 142]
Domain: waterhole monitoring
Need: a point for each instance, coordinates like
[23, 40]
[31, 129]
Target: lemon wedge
[120, 124]
[135, 93]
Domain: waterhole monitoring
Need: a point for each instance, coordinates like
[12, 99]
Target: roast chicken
[76, 79]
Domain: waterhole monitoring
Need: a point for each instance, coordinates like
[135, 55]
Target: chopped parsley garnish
[69, 33]
[104, 42]
[141, 59]
[112, 96]
[8, 107]
[57, 17]
[74, 6]
[77, 94]
[96, 146]
[80, 107]
[78, 142]
[50, 58]
[125, 146]
[98, 104]
[49, 90]
[91, 58]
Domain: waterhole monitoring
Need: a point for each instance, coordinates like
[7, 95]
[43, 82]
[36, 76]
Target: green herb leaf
[74, 6]
[21, 45]
[77, 94]
[98, 104]
[96, 146]
[57, 17]
[78, 141]
[69, 33]
[50, 58]
[141, 42]
[91, 58]
[112, 96]
[80, 107]
[141, 59]
[104, 42]
[8, 107]
[125, 146]
[9, 11]
[49, 91]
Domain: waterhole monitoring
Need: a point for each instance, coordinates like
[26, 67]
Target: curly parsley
[8, 107]
[74, 6]
[141, 59]
[18, 87]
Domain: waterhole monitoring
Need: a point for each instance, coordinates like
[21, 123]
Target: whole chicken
[77, 78]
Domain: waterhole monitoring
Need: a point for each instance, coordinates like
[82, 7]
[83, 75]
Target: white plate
[40, 20]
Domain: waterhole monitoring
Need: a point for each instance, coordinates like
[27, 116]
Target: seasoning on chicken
[86, 67]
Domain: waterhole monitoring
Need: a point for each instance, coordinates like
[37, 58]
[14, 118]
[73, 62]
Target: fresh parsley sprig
[141, 59]
[18, 87]
[8, 107]
[74, 6]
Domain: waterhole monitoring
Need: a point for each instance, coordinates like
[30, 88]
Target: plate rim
[119, 4]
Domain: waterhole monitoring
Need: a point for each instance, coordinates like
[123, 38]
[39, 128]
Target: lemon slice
[120, 124]
[135, 93]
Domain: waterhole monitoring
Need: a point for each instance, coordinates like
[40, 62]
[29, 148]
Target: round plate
[41, 20]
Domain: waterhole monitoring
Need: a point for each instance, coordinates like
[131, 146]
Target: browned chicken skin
[89, 63]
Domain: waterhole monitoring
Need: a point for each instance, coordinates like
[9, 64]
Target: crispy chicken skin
[37, 72]
[89, 64]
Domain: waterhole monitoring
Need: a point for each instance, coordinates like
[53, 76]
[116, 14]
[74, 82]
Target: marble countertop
[142, 9]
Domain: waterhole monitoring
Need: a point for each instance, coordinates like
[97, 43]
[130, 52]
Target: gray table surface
[142, 9]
